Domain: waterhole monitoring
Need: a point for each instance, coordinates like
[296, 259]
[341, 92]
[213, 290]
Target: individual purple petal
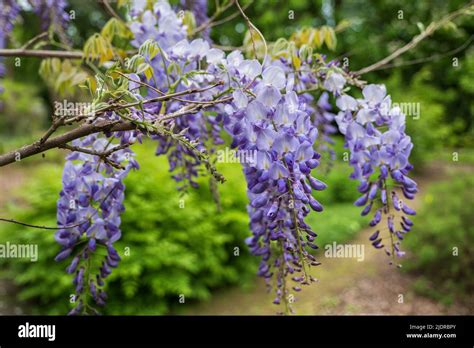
[374, 236]
[278, 171]
[316, 184]
[315, 205]
[275, 77]
[269, 96]
[408, 210]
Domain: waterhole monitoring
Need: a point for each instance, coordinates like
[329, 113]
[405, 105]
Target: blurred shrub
[427, 128]
[173, 251]
[337, 223]
[446, 222]
[22, 111]
[341, 189]
[335, 174]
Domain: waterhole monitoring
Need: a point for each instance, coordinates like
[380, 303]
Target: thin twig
[110, 10]
[104, 155]
[61, 227]
[207, 23]
[161, 98]
[54, 126]
[161, 92]
[252, 26]
[230, 17]
[417, 39]
[34, 40]
[430, 58]
[41, 227]
[20, 52]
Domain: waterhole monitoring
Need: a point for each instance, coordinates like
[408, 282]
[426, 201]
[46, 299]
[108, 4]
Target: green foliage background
[442, 242]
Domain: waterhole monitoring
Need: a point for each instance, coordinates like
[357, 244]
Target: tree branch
[104, 155]
[20, 52]
[86, 129]
[417, 39]
[47, 143]
[430, 58]
[110, 10]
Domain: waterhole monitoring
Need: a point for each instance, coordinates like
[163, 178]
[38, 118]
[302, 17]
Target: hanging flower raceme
[270, 123]
[176, 69]
[52, 14]
[88, 214]
[9, 11]
[375, 135]
[324, 121]
[304, 77]
[199, 10]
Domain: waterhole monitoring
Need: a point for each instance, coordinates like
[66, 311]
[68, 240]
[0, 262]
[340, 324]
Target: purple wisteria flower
[375, 134]
[9, 11]
[88, 213]
[334, 83]
[52, 13]
[277, 127]
[163, 26]
[199, 9]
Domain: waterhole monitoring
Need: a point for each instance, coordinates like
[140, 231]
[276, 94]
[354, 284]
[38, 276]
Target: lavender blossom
[277, 127]
[52, 13]
[164, 27]
[375, 135]
[199, 9]
[9, 11]
[89, 209]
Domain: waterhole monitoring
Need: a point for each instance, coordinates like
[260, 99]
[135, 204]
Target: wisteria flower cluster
[375, 134]
[89, 211]
[52, 14]
[164, 27]
[277, 127]
[9, 11]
